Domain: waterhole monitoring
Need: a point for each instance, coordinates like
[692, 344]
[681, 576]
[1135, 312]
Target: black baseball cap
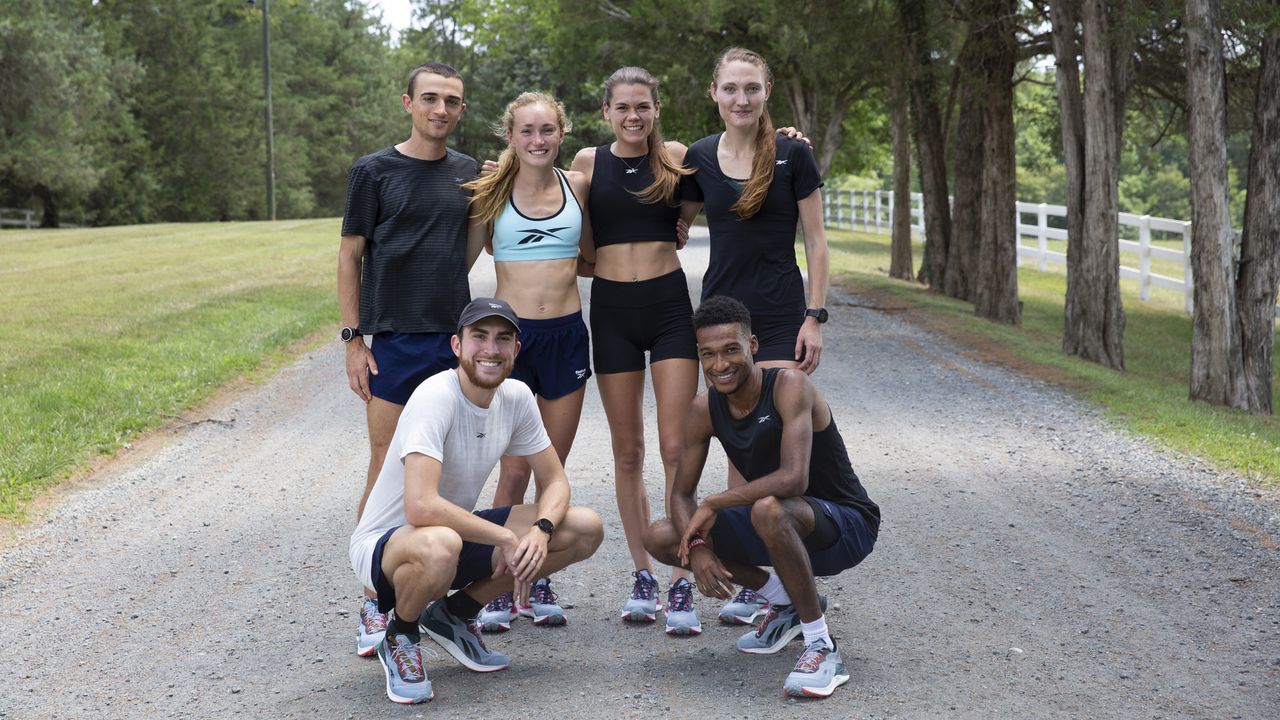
[484, 307]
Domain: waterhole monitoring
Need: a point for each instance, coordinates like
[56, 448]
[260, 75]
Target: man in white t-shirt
[418, 536]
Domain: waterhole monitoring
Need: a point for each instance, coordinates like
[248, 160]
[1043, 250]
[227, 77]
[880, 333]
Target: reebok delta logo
[780, 162]
[479, 434]
[763, 419]
[538, 234]
[580, 374]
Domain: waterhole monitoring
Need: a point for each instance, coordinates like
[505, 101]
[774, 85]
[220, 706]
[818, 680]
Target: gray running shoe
[373, 627]
[460, 639]
[498, 615]
[779, 627]
[818, 672]
[642, 606]
[743, 609]
[401, 657]
[682, 619]
[542, 607]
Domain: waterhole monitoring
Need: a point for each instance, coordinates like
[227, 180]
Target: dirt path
[1032, 563]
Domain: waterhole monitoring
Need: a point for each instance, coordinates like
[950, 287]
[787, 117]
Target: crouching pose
[802, 510]
[418, 537]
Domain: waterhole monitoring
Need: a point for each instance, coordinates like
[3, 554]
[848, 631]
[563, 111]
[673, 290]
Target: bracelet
[696, 541]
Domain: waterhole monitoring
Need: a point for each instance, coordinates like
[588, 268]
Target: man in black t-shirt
[802, 511]
[402, 269]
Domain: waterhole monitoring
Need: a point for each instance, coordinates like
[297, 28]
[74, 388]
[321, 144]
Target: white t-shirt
[441, 423]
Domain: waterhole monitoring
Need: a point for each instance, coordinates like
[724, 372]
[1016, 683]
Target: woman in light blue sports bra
[540, 241]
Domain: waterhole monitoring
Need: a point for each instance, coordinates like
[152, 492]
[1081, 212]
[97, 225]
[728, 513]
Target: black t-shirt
[754, 445]
[754, 260]
[413, 216]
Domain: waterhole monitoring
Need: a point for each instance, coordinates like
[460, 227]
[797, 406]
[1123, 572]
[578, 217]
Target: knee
[437, 547]
[588, 527]
[660, 541]
[671, 451]
[628, 456]
[768, 515]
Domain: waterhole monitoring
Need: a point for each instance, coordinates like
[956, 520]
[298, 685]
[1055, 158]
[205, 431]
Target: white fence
[14, 217]
[872, 211]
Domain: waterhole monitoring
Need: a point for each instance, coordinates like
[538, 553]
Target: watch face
[822, 315]
[345, 334]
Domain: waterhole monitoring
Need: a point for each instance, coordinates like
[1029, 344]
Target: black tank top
[617, 216]
[754, 445]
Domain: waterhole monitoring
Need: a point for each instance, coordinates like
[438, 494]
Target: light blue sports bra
[517, 237]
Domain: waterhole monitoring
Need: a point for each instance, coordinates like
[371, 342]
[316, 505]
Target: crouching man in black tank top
[802, 511]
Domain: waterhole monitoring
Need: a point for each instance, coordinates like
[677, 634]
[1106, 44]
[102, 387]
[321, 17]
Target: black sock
[463, 606]
[401, 626]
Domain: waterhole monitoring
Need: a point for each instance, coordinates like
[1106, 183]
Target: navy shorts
[631, 318]
[554, 357]
[474, 562]
[735, 538]
[776, 335]
[405, 360]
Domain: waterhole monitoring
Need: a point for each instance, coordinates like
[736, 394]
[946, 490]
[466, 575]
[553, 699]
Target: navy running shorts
[474, 562]
[734, 538]
[405, 360]
[554, 358]
[631, 318]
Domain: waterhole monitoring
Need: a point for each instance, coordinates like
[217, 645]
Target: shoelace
[502, 602]
[680, 597]
[373, 620]
[408, 659]
[645, 588]
[813, 656]
[746, 596]
[769, 618]
[542, 594]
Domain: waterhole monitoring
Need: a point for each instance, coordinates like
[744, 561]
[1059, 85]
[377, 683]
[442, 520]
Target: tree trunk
[966, 211]
[926, 128]
[1217, 371]
[996, 280]
[50, 207]
[1094, 315]
[1260, 242]
[900, 263]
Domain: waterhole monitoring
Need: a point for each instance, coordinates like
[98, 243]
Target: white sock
[774, 592]
[816, 630]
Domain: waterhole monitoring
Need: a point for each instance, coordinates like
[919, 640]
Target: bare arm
[581, 185]
[809, 341]
[478, 237]
[359, 360]
[424, 507]
[697, 443]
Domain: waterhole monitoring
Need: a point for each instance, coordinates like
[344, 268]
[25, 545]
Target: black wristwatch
[819, 313]
[545, 526]
[347, 334]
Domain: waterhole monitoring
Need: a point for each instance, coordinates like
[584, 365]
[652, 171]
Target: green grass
[1149, 397]
[107, 332]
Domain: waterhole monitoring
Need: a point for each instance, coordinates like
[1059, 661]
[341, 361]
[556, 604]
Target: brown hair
[766, 148]
[666, 173]
[435, 68]
[492, 191]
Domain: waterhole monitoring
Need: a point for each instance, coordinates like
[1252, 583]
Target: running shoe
[401, 657]
[779, 627]
[373, 627]
[542, 607]
[681, 617]
[460, 639]
[642, 606]
[818, 672]
[743, 609]
[498, 615]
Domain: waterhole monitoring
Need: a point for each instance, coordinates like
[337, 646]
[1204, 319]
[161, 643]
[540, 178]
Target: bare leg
[675, 382]
[575, 540]
[622, 396]
[783, 524]
[420, 562]
[560, 416]
[382, 419]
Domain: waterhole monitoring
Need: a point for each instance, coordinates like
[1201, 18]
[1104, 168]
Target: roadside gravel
[1033, 562]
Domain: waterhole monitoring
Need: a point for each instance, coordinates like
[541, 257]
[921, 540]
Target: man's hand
[711, 576]
[795, 134]
[699, 525]
[809, 345]
[523, 557]
[360, 364]
[488, 166]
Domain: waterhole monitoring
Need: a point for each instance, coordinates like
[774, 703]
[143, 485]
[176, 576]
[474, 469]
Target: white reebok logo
[780, 162]
[580, 374]
[763, 418]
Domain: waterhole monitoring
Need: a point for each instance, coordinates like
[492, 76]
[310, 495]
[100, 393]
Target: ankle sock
[403, 627]
[774, 592]
[463, 606]
[816, 630]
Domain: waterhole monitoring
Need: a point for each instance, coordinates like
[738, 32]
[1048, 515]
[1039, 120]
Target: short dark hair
[721, 310]
[435, 68]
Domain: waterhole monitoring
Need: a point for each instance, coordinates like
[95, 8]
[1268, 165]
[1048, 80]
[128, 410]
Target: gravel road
[1033, 562]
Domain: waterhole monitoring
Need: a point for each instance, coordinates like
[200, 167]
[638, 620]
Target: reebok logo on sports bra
[538, 234]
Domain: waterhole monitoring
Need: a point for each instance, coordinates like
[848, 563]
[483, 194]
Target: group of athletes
[443, 406]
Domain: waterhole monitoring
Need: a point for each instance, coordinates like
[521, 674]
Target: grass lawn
[108, 331]
[1149, 397]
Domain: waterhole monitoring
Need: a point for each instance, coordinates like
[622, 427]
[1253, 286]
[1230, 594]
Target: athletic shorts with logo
[554, 358]
[629, 319]
[736, 539]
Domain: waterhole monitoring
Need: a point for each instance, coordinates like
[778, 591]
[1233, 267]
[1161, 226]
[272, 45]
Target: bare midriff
[540, 289]
[634, 261]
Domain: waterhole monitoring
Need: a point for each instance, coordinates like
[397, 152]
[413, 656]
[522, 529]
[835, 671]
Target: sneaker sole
[791, 634]
[400, 698]
[458, 655]
[684, 630]
[742, 619]
[816, 692]
[495, 627]
[639, 616]
[366, 651]
[550, 620]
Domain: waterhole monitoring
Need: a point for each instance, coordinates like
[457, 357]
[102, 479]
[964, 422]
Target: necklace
[632, 170]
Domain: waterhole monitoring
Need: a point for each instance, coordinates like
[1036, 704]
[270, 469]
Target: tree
[900, 263]
[1092, 123]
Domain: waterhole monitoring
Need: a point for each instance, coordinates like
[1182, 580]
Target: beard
[468, 366]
